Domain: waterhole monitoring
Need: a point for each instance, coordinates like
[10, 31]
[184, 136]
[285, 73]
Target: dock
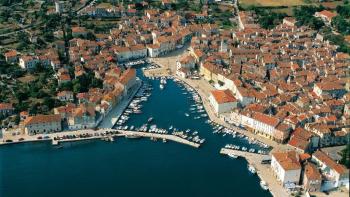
[117, 133]
[160, 136]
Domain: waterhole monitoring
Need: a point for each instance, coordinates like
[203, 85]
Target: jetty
[160, 136]
[107, 134]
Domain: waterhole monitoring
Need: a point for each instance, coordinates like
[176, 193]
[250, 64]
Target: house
[65, 96]
[290, 21]
[6, 109]
[335, 175]
[222, 101]
[79, 32]
[64, 78]
[264, 124]
[123, 54]
[128, 79]
[326, 16]
[153, 50]
[244, 96]
[183, 72]
[329, 88]
[28, 62]
[312, 178]
[11, 56]
[83, 117]
[286, 167]
[186, 62]
[41, 124]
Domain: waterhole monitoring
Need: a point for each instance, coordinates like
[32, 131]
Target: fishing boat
[264, 185]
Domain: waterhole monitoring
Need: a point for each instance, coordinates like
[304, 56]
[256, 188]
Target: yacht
[264, 185]
[231, 155]
[186, 114]
[161, 86]
[251, 169]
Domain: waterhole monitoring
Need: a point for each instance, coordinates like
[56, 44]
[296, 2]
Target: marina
[153, 113]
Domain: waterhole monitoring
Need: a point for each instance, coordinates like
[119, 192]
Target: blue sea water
[132, 167]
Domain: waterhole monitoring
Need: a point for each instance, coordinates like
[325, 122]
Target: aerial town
[286, 87]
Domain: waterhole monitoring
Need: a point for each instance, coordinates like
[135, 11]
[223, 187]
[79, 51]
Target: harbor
[174, 113]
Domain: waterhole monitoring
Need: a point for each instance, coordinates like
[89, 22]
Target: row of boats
[251, 150]
[219, 129]
[135, 105]
[187, 134]
[135, 63]
[163, 82]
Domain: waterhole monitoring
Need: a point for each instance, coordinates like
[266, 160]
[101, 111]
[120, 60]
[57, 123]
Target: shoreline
[263, 171]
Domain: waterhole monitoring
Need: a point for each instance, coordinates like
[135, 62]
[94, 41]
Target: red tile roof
[330, 162]
[223, 96]
[269, 120]
[288, 160]
[42, 119]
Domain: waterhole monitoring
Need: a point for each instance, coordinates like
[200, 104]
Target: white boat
[264, 185]
[161, 86]
[231, 155]
[251, 169]
[186, 114]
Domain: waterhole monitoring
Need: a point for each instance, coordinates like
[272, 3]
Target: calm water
[132, 167]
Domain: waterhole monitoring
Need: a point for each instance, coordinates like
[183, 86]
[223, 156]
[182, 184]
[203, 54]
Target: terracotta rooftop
[42, 119]
[288, 160]
[323, 157]
[223, 96]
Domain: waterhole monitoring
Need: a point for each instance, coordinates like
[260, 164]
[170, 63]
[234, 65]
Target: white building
[42, 124]
[336, 175]
[286, 167]
[186, 62]
[153, 50]
[222, 101]
[28, 62]
[244, 96]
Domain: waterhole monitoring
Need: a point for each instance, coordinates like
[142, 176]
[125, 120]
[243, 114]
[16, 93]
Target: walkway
[264, 171]
[89, 134]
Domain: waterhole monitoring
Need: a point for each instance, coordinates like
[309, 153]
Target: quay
[90, 134]
[262, 170]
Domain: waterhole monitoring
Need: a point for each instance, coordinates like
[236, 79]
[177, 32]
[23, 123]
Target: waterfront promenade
[90, 134]
[263, 170]
[112, 117]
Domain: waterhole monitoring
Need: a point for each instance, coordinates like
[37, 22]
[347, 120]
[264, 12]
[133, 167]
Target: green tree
[345, 160]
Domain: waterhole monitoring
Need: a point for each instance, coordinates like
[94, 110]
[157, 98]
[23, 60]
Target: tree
[345, 160]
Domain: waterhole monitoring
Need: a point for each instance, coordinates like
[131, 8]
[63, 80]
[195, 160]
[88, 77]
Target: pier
[88, 134]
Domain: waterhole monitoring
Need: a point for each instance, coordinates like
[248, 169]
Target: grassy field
[272, 3]
[288, 5]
